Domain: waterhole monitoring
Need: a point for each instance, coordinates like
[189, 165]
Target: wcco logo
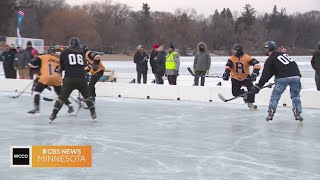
[21, 156]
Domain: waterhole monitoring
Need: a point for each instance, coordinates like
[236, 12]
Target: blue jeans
[280, 87]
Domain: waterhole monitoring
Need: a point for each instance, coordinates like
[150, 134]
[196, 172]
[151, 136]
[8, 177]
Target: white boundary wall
[310, 98]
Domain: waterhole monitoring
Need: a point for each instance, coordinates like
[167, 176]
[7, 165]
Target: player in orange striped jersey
[238, 66]
[48, 66]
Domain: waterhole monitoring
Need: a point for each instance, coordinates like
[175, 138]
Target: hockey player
[95, 67]
[286, 73]
[72, 61]
[238, 66]
[49, 74]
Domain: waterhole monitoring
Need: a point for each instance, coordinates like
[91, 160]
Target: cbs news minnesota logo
[51, 156]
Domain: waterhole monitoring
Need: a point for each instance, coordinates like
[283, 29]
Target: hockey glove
[255, 89]
[226, 76]
[253, 77]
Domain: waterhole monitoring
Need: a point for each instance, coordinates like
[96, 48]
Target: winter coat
[22, 59]
[141, 62]
[176, 71]
[160, 63]
[202, 60]
[315, 62]
[153, 55]
[8, 60]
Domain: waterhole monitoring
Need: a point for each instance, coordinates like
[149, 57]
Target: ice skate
[70, 109]
[297, 116]
[34, 111]
[52, 117]
[252, 106]
[270, 116]
[93, 115]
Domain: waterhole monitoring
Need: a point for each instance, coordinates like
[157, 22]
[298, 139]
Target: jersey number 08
[75, 59]
[285, 59]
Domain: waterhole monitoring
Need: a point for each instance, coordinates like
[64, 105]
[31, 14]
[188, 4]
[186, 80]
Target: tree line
[116, 28]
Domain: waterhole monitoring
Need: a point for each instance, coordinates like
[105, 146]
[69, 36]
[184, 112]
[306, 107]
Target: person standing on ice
[160, 65]
[153, 55]
[141, 61]
[286, 73]
[238, 66]
[95, 67]
[201, 64]
[73, 62]
[315, 62]
[7, 57]
[172, 65]
[48, 66]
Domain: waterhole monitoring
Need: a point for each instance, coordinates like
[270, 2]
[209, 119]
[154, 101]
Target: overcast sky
[207, 7]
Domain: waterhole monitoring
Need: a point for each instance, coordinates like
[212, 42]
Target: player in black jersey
[286, 73]
[72, 61]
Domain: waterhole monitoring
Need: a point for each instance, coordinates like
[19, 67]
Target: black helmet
[74, 42]
[52, 50]
[239, 49]
[84, 47]
[270, 45]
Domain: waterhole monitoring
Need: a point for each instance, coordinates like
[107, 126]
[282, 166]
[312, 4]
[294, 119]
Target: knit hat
[155, 46]
[34, 52]
[29, 43]
[172, 46]
[139, 47]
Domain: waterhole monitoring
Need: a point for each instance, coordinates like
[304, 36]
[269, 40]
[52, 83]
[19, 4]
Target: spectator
[315, 62]
[282, 49]
[160, 65]
[13, 49]
[153, 55]
[8, 63]
[22, 60]
[172, 65]
[29, 50]
[201, 64]
[141, 60]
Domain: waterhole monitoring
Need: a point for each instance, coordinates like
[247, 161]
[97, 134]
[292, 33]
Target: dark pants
[31, 73]
[159, 78]
[93, 81]
[172, 79]
[144, 74]
[39, 87]
[237, 91]
[199, 74]
[10, 73]
[317, 79]
[70, 84]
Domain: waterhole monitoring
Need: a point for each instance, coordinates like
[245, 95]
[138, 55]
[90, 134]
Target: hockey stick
[24, 90]
[227, 100]
[193, 74]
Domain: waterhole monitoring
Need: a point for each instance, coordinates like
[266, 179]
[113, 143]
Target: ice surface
[166, 140]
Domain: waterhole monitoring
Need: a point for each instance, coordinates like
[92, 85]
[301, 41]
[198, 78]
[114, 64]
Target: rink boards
[310, 98]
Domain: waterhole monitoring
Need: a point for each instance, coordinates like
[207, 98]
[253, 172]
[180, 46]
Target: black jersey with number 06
[279, 65]
[73, 63]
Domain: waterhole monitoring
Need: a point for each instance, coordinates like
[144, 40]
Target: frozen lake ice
[166, 140]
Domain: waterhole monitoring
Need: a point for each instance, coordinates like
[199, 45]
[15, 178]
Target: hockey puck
[210, 100]
[148, 97]
[15, 90]
[178, 99]
[119, 96]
